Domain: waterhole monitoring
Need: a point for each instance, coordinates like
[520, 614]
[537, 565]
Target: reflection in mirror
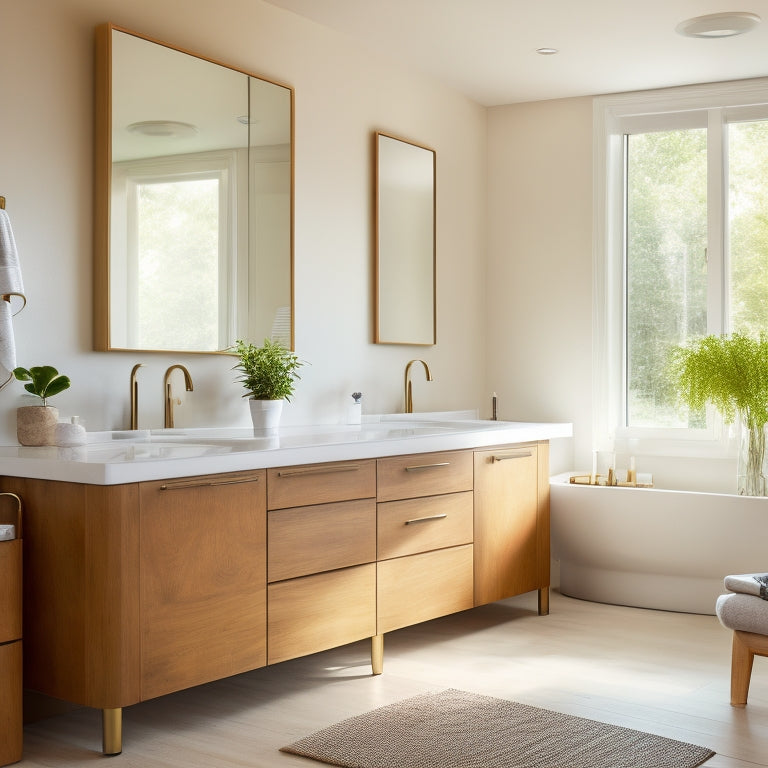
[405, 242]
[194, 201]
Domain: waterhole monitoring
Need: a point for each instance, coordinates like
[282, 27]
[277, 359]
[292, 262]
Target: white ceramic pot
[265, 415]
[36, 424]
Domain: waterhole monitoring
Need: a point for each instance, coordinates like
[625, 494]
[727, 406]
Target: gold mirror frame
[239, 287]
[405, 249]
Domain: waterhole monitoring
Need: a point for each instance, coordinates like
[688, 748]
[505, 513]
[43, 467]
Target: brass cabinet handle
[425, 519]
[318, 470]
[505, 456]
[419, 467]
[208, 483]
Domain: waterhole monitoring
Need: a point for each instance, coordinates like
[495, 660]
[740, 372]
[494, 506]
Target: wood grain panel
[320, 483]
[318, 612]
[422, 587]
[10, 590]
[203, 581]
[506, 523]
[419, 525]
[425, 474]
[11, 726]
[81, 591]
[322, 537]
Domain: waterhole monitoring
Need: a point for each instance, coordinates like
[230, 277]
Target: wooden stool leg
[112, 731]
[741, 670]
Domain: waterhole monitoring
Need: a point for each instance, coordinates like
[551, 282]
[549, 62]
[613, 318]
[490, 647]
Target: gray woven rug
[455, 729]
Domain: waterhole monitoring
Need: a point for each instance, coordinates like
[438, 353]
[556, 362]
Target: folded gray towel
[743, 612]
[748, 584]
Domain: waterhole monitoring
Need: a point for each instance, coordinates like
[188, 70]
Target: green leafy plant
[267, 372]
[45, 381]
[731, 373]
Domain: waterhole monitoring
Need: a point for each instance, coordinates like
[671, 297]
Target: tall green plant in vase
[269, 375]
[731, 373]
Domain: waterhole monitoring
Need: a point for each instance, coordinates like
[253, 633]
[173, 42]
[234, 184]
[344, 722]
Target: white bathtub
[654, 548]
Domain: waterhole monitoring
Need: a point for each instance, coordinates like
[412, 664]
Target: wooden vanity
[139, 589]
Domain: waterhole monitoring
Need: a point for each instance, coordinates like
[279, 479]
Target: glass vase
[751, 470]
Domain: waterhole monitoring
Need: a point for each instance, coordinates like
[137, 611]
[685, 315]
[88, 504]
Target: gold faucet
[169, 400]
[135, 396]
[408, 385]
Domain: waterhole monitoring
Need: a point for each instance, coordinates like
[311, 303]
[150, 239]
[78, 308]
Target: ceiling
[486, 48]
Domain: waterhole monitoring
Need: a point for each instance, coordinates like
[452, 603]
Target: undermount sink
[202, 441]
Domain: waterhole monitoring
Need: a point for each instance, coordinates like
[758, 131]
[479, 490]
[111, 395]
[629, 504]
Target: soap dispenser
[355, 410]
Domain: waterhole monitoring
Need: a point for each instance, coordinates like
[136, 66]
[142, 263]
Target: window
[162, 276]
[681, 246]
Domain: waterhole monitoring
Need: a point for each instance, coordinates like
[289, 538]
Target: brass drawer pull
[505, 456]
[425, 519]
[318, 470]
[419, 467]
[208, 483]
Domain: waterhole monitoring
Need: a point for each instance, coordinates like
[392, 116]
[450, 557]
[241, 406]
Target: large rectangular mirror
[193, 201]
[405, 311]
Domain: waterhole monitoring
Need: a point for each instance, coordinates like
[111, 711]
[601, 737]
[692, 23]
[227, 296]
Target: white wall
[539, 334]
[343, 94]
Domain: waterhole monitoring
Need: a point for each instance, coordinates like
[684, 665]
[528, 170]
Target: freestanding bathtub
[654, 548]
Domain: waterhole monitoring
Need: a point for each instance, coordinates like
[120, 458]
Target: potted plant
[269, 375]
[36, 424]
[731, 373]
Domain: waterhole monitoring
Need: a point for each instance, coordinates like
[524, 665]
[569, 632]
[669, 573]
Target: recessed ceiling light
[163, 128]
[547, 51]
[718, 25]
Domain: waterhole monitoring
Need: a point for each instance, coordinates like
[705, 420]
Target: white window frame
[713, 106]
[126, 175]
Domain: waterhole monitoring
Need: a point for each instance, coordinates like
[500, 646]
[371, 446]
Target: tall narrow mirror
[194, 200]
[405, 242]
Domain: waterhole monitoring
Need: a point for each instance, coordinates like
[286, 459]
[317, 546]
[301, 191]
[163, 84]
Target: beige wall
[539, 336]
[343, 94]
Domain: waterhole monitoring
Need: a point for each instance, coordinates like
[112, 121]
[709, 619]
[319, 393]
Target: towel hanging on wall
[10, 285]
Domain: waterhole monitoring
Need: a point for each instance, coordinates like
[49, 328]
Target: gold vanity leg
[544, 601]
[377, 654]
[112, 731]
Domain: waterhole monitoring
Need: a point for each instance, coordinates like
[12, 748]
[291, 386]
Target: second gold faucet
[409, 386]
[169, 399]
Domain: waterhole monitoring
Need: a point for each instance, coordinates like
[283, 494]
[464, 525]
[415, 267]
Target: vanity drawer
[322, 537]
[320, 483]
[425, 474]
[418, 525]
[318, 612]
[421, 587]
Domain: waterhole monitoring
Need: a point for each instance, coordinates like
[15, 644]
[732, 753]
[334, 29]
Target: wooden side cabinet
[511, 497]
[11, 724]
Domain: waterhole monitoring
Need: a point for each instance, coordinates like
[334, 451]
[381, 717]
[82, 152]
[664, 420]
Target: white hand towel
[7, 341]
[10, 271]
[10, 284]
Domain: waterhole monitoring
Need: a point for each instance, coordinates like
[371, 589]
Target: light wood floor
[661, 672]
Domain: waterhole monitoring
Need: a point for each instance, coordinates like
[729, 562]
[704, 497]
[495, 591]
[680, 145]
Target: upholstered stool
[745, 611]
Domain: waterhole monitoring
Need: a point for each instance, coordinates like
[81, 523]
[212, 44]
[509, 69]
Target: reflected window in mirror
[194, 200]
[405, 254]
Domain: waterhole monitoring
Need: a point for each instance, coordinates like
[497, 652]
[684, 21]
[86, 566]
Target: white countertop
[111, 458]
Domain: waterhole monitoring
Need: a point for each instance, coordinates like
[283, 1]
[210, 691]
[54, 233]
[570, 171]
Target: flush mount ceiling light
[718, 25]
[163, 129]
[547, 51]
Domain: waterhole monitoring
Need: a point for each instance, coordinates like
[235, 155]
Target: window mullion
[717, 294]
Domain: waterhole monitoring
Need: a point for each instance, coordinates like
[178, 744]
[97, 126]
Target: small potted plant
[269, 375]
[36, 424]
[731, 373]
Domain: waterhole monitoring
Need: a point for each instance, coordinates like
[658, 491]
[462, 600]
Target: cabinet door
[322, 611]
[421, 587]
[511, 524]
[203, 579]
